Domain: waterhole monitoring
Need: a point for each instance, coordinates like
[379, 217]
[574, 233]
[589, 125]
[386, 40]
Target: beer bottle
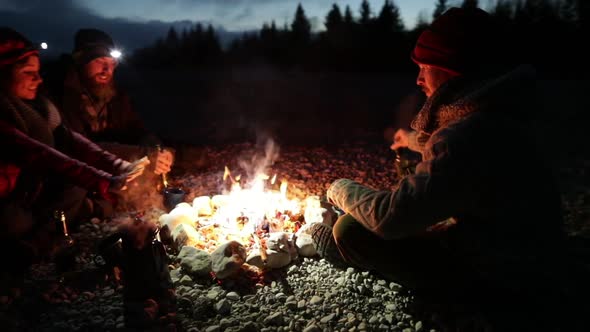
[65, 255]
[60, 219]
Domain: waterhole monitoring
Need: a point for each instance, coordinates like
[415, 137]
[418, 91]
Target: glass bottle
[60, 218]
[65, 255]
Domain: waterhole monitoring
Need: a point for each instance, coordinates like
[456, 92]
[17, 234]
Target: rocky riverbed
[309, 294]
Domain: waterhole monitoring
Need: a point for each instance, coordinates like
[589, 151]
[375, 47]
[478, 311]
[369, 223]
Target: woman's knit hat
[90, 44]
[458, 41]
[14, 46]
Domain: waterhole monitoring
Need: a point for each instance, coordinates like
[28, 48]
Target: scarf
[464, 95]
[38, 124]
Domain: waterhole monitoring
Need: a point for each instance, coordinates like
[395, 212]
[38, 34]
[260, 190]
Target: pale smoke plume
[260, 163]
[142, 194]
[141, 197]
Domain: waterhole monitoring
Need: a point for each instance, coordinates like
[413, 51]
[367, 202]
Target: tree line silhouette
[547, 33]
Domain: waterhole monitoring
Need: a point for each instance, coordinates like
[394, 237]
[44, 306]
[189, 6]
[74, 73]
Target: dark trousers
[417, 263]
[427, 267]
[28, 232]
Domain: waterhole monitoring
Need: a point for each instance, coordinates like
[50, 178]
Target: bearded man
[94, 106]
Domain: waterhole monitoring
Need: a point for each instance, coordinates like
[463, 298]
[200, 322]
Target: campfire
[257, 216]
[243, 214]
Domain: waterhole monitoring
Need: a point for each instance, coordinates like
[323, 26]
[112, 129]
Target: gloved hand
[332, 211]
[164, 161]
[400, 139]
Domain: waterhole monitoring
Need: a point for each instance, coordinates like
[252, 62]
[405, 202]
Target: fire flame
[244, 213]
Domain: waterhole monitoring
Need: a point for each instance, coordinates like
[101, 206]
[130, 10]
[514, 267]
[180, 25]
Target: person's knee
[345, 229]
[15, 221]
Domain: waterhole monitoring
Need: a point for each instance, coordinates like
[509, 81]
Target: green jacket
[481, 188]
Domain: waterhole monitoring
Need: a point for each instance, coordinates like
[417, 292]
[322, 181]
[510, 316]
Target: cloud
[70, 6]
[231, 2]
[245, 14]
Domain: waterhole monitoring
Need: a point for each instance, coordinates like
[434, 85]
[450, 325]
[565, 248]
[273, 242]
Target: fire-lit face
[100, 70]
[26, 78]
[431, 78]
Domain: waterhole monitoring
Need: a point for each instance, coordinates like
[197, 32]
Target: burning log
[203, 205]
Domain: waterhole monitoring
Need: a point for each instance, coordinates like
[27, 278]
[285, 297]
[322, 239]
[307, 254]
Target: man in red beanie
[479, 217]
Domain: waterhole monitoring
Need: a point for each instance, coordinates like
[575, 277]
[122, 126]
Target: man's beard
[103, 92]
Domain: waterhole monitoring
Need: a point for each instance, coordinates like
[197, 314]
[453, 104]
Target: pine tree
[172, 40]
[213, 44]
[503, 10]
[470, 4]
[334, 19]
[365, 12]
[441, 7]
[301, 28]
[583, 14]
[196, 37]
[519, 12]
[422, 21]
[269, 32]
[389, 18]
[348, 18]
[568, 11]
[273, 27]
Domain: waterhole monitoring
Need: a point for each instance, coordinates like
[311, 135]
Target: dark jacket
[123, 124]
[28, 157]
[481, 188]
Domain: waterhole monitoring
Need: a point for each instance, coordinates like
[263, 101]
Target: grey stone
[316, 300]
[419, 326]
[233, 296]
[195, 262]
[213, 328]
[327, 319]
[185, 281]
[223, 307]
[224, 323]
[312, 328]
[275, 319]
[301, 304]
[227, 259]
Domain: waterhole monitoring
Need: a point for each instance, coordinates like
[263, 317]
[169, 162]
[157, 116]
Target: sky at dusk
[241, 14]
[136, 23]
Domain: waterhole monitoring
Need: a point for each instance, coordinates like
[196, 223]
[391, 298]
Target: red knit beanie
[458, 41]
[14, 46]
